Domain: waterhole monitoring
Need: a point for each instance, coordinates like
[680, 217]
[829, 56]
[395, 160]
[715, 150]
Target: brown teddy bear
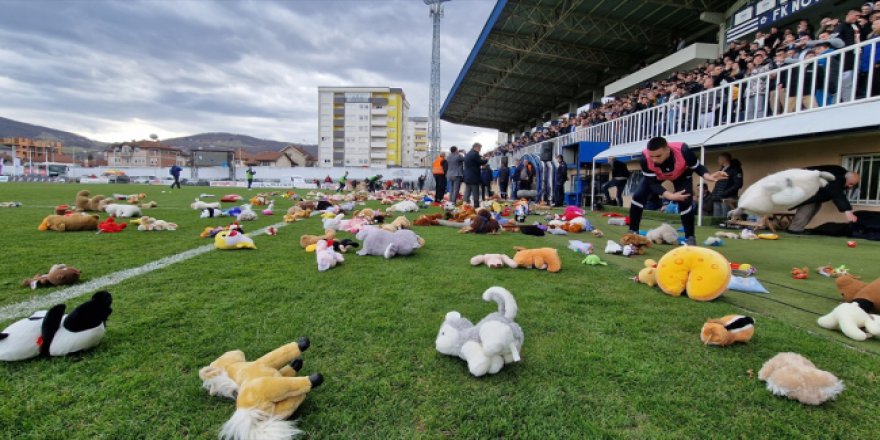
[542, 258]
[399, 223]
[428, 220]
[62, 223]
[637, 241]
[59, 275]
[97, 203]
[852, 289]
[306, 240]
[82, 201]
[482, 223]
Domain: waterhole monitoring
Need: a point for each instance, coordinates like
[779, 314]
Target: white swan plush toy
[52, 333]
[781, 191]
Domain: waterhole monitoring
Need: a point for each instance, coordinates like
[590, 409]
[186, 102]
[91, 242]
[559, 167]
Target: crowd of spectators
[775, 49]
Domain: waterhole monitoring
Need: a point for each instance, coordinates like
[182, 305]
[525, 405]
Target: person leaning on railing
[869, 60]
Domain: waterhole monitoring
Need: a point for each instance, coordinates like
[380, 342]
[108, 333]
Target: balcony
[377, 155]
[379, 122]
[379, 133]
[381, 145]
[380, 111]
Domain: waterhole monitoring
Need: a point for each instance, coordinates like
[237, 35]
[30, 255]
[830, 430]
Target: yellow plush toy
[542, 258]
[233, 240]
[267, 391]
[702, 272]
[648, 275]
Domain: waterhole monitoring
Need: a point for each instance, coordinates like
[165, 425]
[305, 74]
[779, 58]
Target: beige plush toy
[794, 376]
[59, 275]
[542, 258]
[307, 240]
[399, 223]
[648, 274]
[267, 391]
[82, 201]
[494, 261]
[76, 222]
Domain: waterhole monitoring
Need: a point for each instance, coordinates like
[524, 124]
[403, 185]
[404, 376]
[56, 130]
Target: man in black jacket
[503, 178]
[472, 177]
[835, 191]
[619, 176]
[559, 181]
[727, 189]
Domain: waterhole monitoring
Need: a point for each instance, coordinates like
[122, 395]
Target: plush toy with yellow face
[233, 240]
[701, 273]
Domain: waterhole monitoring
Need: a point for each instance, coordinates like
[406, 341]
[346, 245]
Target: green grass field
[603, 357]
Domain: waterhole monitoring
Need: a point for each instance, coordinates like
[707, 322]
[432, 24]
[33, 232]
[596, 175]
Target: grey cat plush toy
[377, 241]
[495, 340]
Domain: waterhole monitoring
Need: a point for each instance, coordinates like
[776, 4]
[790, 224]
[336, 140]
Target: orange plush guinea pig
[700, 272]
[726, 330]
[542, 258]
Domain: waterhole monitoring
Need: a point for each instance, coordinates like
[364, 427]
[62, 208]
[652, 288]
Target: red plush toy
[110, 226]
[230, 198]
[572, 212]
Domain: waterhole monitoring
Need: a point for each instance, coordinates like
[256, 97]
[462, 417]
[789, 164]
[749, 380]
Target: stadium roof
[535, 55]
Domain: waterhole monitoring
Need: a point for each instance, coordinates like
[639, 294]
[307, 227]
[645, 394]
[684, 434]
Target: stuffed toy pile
[52, 333]
[326, 256]
[541, 258]
[266, 391]
[702, 273]
[794, 376]
[495, 340]
[379, 242]
[780, 192]
[726, 330]
[59, 275]
[63, 223]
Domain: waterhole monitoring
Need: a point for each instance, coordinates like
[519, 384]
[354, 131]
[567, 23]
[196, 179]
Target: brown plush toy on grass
[852, 289]
[542, 258]
[76, 222]
[307, 240]
[636, 240]
[59, 275]
[267, 391]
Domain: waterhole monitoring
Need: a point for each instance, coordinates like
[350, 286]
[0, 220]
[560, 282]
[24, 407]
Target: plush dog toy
[327, 257]
[663, 234]
[59, 275]
[542, 258]
[794, 376]
[638, 242]
[780, 192]
[232, 239]
[76, 222]
[728, 329]
[122, 211]
[482, 223]
[199, 205]
[852, 289]
[701, 273]
[52, 333]
[494, 261]
[380, 242]
[648, 275]
[850, 318]
[306, 240]
[267, 391]
[495, 340]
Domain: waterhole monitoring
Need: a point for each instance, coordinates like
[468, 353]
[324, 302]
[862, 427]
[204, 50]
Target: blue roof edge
[487, 28]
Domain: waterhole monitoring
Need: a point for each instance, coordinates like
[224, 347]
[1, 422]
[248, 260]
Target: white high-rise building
[415, 142]
[361, 126]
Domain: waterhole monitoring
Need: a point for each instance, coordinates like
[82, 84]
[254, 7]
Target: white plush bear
[247, 214]
[781, 191]
[333, 223]
[495, 340]
[326, 256]
[851, 318]
[117, 210]
[199, 205]
[404, 206]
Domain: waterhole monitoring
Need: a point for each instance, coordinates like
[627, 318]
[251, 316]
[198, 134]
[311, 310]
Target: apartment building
[144, 154]
[34, 150]
[415, 142]
[361, 126]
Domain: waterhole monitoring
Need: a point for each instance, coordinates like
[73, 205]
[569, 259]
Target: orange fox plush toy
[726, 330]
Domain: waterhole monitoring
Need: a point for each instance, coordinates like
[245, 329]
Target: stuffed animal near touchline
[495, 340]
[266, 391]
[59, 275]
[52, 333]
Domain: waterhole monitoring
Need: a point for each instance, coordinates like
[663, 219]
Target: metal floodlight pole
[434, 96]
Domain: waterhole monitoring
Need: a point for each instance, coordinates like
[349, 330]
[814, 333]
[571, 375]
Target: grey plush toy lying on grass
[377, 241]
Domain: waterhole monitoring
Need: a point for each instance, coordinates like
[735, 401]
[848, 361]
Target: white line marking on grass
[44, 302]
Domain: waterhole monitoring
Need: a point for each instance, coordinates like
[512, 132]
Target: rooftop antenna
[434, 102]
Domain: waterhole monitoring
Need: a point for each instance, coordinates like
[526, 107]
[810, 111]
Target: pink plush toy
[572, 212]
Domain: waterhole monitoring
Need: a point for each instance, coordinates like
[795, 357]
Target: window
[868, 166]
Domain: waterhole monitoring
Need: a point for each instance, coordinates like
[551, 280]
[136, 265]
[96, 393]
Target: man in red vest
[675, 163]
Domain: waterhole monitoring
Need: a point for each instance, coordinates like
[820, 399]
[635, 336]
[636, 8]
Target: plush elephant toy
[380, 242]
[495, 340]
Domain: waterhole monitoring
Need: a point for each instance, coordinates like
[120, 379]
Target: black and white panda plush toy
[52, 333]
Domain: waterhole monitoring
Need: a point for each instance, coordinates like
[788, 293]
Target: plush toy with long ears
[266, 391]
[52, 333]
[377, 241]
[327, 257]
[494, 261]
[727, 330]
[794, 376]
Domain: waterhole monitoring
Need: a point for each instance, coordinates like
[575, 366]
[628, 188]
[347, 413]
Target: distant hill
[10, 128]
[233, 141]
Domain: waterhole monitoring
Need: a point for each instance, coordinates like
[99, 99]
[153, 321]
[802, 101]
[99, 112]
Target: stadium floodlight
[434, 96]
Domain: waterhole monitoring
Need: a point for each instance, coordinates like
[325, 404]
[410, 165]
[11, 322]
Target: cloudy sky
[121, 70]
